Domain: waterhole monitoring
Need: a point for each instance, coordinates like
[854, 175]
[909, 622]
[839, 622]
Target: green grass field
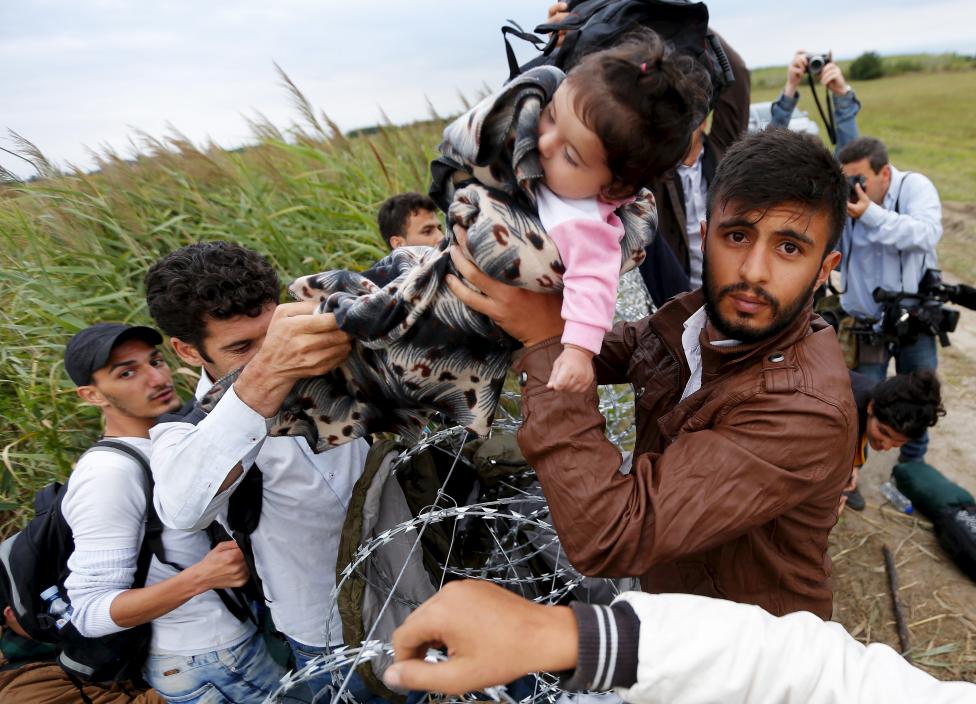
[74, 247]
[928, 121]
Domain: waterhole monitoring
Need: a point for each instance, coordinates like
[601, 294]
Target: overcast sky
[78, 74]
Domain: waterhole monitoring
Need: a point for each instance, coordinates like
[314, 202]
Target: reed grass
[74, 247]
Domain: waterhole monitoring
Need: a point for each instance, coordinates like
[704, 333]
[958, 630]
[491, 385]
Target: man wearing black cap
[105, 361]
[197, 645]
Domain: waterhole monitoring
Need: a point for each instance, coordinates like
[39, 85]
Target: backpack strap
[152, 544]
[243, 517]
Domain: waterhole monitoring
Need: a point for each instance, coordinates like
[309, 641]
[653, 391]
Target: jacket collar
[716, 361]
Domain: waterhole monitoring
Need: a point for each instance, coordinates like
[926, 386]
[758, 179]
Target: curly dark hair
[909, 403]
[396, 210]
[643, 100]
[208, 280]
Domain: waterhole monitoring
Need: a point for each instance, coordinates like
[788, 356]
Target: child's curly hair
[643, 100]
[909, 403]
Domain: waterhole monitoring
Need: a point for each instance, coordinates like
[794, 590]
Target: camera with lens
[855, 181]
[907, 315]
[816, 62]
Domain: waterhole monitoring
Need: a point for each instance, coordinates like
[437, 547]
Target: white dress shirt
[695, 191]
[305, 496]
[691, 343]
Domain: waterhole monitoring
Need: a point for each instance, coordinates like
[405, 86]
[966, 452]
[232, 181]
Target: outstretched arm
[689, 649]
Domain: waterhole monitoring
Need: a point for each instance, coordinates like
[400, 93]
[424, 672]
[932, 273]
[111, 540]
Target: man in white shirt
[219, 304]
[198, 649]
[889, 242]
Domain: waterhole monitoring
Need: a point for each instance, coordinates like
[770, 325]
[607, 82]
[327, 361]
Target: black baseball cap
[89, 350]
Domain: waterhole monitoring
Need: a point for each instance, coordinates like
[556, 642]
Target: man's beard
[782, 317]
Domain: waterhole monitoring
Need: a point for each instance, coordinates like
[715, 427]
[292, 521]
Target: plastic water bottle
[895, 497]
[57, 607]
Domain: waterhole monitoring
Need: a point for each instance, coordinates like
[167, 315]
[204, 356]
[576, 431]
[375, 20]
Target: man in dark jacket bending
[746, 425]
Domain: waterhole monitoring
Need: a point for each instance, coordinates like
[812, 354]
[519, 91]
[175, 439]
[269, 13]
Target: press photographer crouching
[890, 413]
[888, 243]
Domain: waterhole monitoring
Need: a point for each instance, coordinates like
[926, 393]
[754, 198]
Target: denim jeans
[356, 688]
[921, 354]
[240, 674]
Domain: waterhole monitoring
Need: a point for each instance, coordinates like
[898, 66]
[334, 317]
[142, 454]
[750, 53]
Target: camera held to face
[816, 62]
[853, 181]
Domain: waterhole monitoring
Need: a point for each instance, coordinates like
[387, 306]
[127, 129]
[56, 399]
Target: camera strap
[828, 117]
[845, 261]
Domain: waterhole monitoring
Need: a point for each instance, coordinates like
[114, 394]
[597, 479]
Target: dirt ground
[938, 600]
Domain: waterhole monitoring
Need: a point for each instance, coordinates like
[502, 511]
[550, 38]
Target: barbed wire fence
[515, 516]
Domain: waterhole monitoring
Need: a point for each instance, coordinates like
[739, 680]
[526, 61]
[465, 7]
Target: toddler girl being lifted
[546, 176]
[621, 118]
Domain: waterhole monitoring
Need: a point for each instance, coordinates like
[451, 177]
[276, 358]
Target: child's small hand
[573, 370]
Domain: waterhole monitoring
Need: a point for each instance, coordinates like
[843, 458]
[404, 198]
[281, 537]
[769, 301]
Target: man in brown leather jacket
[746, 424]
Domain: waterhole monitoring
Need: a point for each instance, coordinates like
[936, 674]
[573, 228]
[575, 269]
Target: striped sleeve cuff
[608, 640]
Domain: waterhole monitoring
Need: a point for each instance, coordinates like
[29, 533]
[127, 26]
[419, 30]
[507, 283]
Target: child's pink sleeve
[590, 251]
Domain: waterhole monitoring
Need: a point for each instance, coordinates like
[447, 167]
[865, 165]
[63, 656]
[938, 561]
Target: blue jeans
[921, 354]
[240, 674]
[356, 688]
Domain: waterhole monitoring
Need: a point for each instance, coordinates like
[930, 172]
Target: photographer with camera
[889, 243]
[842, 118]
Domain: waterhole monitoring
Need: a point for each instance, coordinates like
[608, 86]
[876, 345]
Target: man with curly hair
[218, 302]
[890, 414]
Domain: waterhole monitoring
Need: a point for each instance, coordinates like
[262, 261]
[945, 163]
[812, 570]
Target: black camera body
[855, 181]
[816, 62]
[907, 315]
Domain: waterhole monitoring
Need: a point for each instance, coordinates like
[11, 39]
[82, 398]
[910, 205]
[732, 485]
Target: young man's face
[875, 184]
[136, 382]
[882, 436]
[423, 227]
[761, 268]
[227, 344]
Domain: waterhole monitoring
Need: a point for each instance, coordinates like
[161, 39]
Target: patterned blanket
[417, 350]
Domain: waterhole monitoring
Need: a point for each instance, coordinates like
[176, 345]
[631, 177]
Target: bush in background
[866, 67]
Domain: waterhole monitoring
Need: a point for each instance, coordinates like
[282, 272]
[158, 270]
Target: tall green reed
[74, 248]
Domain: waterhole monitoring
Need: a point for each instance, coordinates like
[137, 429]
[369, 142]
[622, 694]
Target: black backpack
[37, 558]
[956, 530]
[599, 24]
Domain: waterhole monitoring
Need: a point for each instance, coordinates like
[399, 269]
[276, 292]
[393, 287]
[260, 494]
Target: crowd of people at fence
[749, 438]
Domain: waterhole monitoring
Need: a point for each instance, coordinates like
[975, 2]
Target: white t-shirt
[105, 505]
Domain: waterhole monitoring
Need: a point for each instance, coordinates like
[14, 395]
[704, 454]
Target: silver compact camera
[816, 62]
